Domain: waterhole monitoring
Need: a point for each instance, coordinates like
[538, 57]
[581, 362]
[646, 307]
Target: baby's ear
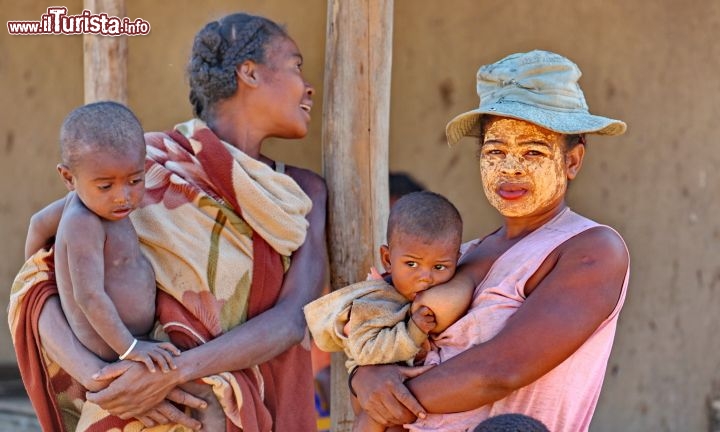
[385, 257]
[66, 176]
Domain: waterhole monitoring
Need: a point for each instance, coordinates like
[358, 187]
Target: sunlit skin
[110, 184]
[522, 166]
[525, 171]
[106, 286]
[417, 264]
[271, 100]
[287, 88]
[277, 87]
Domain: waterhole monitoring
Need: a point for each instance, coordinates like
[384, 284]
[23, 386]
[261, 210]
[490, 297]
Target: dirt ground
[16, 413]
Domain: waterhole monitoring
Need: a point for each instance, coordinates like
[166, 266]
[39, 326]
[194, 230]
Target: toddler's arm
[85, 260]
[43, 226]
[448, 301]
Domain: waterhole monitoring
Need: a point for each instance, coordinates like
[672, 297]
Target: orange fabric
[288, 383]
[54, 394]
[32, 369]
[276, 395]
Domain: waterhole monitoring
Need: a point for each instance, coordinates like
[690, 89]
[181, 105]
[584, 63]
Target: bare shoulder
[598, 244]
[312, 183]
[79, 222]
[592, 263]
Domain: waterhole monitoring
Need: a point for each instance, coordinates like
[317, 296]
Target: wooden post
[105, 57]
[356, 110]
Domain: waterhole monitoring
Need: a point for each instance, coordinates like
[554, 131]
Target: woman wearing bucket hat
[549, 283]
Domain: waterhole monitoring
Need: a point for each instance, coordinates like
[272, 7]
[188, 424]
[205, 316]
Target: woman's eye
[533, 153]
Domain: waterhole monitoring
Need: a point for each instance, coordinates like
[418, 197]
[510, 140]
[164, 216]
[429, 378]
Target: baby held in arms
[106, 285]
[387, 319]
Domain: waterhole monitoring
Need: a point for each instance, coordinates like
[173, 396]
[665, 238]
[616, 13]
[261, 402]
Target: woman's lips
[511, 191]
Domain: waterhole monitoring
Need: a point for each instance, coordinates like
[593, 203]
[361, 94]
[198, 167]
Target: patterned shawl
[218, 227]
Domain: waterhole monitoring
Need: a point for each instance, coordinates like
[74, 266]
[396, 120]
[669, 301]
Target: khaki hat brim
[564, 122]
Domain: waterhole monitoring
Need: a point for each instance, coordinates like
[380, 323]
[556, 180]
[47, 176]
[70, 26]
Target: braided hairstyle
[217, 50]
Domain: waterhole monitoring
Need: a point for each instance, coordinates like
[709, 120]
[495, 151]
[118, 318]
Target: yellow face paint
[522, 166]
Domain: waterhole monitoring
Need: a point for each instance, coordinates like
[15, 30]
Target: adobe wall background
[652, 64]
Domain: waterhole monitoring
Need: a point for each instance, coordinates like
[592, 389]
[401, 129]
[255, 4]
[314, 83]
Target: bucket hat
[540, 87]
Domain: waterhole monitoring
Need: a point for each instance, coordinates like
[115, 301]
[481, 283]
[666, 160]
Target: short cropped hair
[426, 215]
[101, 125]
[511, 423]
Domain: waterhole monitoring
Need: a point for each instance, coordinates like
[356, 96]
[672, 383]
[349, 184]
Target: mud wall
[652, 64]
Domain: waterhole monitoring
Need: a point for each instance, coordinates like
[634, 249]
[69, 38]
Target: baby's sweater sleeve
[377, 317]
[381, 331]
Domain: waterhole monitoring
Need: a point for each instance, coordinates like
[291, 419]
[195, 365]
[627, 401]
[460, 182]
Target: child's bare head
[103, 158]
[424, 215]
[424, 235]
[101, 126]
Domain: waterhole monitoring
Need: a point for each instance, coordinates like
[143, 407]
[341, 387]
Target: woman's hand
[162, 413]
[167, 413]
[133, 388]
[382, 394]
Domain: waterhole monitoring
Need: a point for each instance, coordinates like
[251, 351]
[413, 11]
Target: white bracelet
[126, 353]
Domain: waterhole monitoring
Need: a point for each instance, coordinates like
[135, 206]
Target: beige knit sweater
[380, 328]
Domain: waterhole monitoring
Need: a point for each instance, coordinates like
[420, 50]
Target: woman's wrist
[185, 370]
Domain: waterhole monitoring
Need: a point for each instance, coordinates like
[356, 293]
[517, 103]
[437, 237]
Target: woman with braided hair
[237, 244]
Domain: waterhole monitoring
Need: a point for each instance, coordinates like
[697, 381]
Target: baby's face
[110, 184]
[417, 264]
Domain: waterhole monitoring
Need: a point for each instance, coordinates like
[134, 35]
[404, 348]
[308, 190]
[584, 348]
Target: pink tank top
[564, 398]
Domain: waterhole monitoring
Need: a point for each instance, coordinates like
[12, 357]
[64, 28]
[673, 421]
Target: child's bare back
[106, 256]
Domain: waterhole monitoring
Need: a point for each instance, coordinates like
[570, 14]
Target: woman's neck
[520, 227]
[238, 133]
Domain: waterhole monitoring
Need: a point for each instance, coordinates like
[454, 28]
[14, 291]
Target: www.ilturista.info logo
[57, 21]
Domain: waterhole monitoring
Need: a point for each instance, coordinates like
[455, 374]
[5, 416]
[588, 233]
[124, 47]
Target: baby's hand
[152, 353]
[422, 353]
[424, 318]
[374, 274]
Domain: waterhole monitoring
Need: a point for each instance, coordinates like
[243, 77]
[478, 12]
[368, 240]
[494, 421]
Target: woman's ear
[247, 73]
[385, 257]
[66, 176]
[573, 160]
